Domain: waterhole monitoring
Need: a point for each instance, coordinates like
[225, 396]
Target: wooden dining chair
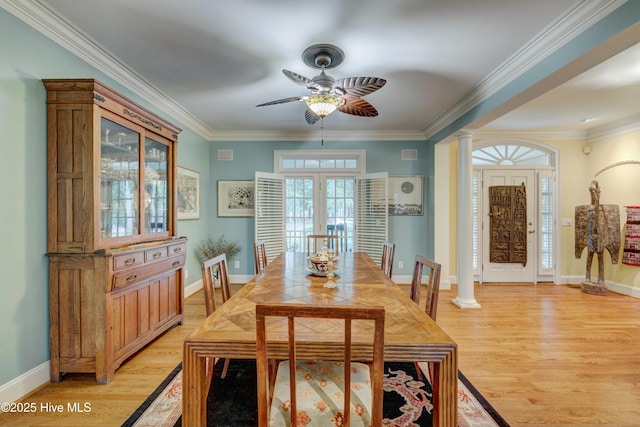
[215, 275]
[315, 242]
[310, 389]
[259, 255]
[424, 266]
[388, 253]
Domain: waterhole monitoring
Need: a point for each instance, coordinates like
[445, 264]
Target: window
[511, 155]
[545, 184]
[325, 192]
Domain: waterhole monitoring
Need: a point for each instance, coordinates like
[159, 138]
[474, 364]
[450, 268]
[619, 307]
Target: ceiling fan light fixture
[324, 104]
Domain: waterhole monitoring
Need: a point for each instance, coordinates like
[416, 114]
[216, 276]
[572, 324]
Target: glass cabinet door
[156, 186]
[119, 180]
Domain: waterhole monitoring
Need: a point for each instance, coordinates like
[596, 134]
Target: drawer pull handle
[175, 263]
[132, 277]
[157, 255]
[178, 249]
[129, 261]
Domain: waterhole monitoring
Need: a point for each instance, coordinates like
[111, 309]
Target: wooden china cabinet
[116, 266]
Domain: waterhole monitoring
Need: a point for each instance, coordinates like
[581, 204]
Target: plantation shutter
[372, 214]
[269, 212]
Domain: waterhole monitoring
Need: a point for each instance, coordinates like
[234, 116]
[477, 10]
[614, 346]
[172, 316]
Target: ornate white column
[465, 298]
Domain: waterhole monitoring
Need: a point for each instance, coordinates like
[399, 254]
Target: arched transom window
[511, 155]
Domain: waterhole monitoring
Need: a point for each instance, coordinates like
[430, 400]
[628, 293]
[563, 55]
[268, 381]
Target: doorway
[514, 163]
[319, 204]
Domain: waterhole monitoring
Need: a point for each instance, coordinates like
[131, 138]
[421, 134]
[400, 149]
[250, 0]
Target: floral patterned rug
[407, 400]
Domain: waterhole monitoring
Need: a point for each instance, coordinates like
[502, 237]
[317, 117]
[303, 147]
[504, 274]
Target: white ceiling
[212, 61]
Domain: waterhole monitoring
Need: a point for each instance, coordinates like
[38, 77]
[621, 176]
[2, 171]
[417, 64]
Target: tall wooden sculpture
[597, 228]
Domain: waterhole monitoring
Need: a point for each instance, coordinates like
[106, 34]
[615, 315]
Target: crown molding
[617, 128]
[575, 20]
[45, 20]
[599, 133]
[538, 135]
[315, 135]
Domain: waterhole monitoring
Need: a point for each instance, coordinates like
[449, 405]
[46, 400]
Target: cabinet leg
[54, 368]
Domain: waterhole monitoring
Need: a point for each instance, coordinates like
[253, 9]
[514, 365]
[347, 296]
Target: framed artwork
[405, 195]
[236, 198]
[188, 197]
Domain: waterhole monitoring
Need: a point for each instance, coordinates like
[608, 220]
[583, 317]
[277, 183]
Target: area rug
[407, 400]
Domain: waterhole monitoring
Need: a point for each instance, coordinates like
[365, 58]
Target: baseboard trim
[192, 288]
[406, 280]
[623, 289]
[619, 288]
[26, 383]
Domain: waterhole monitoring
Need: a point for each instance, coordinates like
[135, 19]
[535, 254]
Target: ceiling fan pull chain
[322, 131]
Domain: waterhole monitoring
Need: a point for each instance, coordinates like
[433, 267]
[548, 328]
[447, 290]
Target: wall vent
[409, 154]
[225, 154]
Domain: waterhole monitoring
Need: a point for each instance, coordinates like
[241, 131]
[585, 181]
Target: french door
[289, 207]
[319, 204]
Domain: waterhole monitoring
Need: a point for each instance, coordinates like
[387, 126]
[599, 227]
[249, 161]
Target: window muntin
[511, 155]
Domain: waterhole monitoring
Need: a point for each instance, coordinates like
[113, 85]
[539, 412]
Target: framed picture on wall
[188, 194]
[236, 198]
[405, 195]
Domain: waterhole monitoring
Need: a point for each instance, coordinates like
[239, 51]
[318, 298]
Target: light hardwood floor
[542, 355]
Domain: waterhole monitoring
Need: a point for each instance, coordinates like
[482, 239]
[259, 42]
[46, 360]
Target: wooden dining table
[410, 335]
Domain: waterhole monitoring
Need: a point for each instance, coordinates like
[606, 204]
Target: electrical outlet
[186, 273]
[400, 264]
[236, 264]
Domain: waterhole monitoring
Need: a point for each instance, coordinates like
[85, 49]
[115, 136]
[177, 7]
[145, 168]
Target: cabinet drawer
[127, 260]
[155, 254]
[177, 249]
[136, 275]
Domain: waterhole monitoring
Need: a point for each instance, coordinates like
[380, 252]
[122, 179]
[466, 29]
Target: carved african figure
[597, 228]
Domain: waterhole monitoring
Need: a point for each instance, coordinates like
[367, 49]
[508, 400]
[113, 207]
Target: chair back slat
[345, 313]
[433, 284]
[260, 255]
[214, 271]
[388, 253]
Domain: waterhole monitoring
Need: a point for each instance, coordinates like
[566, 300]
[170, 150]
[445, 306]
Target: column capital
[464, 133]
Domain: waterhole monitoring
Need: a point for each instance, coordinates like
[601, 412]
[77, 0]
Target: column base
[465, 303]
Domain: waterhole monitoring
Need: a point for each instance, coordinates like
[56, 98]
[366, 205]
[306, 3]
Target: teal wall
[412, 234]
[26, 57]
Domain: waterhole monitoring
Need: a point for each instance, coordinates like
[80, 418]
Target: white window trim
[280, 155]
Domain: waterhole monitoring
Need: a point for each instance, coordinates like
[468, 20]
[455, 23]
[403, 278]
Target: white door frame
[554, 153]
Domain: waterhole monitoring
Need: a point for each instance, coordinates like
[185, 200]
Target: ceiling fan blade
[282, 101]
[310, 116]
[301, 80]
[358, 107]
[358, 86]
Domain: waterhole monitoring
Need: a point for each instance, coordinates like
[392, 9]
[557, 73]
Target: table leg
[194, 388]
[445, 391]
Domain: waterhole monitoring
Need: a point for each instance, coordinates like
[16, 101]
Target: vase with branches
[211, 248]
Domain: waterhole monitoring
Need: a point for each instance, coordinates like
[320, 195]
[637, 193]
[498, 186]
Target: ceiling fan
[327, 93]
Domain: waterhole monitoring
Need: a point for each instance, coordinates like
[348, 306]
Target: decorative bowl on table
[318, 266]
